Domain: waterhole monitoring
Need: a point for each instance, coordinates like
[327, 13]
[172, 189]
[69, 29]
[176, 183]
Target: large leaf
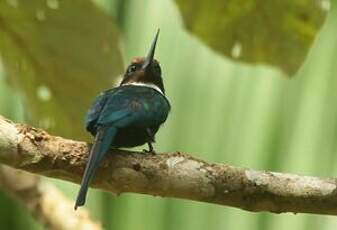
[59, 54]
[277, 33]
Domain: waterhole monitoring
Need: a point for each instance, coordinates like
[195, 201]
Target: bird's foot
[150, 150]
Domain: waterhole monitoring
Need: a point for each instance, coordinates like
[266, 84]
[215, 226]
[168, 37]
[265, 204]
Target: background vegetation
[223, 111]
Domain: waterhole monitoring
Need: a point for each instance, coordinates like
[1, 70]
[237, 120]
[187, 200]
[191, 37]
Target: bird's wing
[140, 106]
[96, 109]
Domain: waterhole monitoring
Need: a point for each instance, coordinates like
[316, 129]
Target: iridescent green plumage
[128, 108]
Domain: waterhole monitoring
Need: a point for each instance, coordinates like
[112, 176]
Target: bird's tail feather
[103, 141]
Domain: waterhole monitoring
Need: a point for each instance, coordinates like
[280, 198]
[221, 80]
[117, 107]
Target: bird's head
[145, 71]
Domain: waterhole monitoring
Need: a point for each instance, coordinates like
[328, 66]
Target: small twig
[168, 175]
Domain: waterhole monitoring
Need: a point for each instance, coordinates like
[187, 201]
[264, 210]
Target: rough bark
[168, 175]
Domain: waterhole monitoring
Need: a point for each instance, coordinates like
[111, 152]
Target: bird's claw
[149, 151]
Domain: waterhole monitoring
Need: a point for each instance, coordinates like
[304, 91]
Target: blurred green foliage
[59, 57]
[222, 111]
[278, 33]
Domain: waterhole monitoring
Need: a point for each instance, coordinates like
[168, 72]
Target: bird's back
[132, 109]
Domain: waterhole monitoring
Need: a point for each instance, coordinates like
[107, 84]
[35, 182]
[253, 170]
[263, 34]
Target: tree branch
[45, 202]
[169, 175]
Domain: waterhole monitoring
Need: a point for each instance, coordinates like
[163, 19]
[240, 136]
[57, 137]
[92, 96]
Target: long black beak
[150, 55]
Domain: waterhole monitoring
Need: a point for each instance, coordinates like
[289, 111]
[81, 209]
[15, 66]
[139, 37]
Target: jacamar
[126, 116]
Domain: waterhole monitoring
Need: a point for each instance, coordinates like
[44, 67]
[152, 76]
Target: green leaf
[277, 33]
[60, 54]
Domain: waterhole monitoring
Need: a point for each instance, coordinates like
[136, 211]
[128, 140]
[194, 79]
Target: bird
[128, 115]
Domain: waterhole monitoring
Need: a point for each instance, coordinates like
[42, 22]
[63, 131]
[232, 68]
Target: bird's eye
[132, 68]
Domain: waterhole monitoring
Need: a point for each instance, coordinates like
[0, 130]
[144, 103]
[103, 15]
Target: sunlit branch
[168, 175]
